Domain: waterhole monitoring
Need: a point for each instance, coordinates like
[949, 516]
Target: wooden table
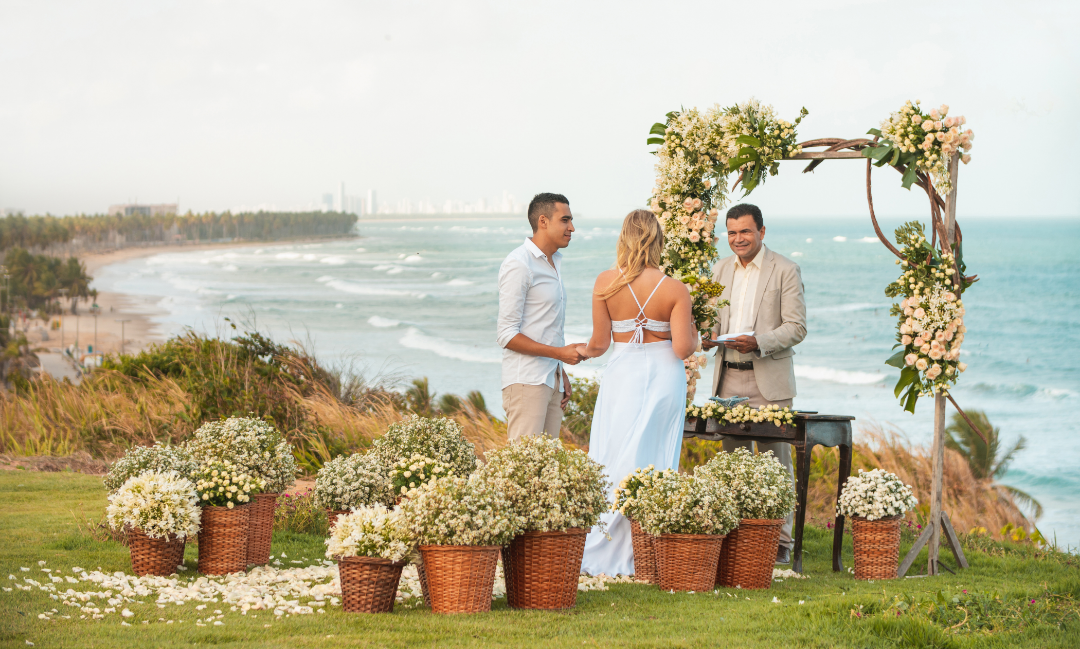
[808, 431]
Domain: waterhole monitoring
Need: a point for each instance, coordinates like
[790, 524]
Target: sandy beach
[121, 316]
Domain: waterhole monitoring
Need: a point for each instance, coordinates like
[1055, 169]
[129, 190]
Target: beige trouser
[532, 410]
[741, 383]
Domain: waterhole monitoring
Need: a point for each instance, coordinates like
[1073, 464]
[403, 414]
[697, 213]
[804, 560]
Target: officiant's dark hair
[746, 209]
[543, 204]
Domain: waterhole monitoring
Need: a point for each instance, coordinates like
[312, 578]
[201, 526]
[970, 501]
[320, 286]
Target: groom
[766, 294]
[532, 308]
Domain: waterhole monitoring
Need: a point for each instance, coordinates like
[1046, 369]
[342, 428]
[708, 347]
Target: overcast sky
[225, 104]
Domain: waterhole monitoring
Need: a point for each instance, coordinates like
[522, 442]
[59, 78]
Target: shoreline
[139, 330]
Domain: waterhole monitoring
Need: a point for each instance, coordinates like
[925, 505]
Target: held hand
[583, 351]
[569, 355]
[707, 344]
[742, 344]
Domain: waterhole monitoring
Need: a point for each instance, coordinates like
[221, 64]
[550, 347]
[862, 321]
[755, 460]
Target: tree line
[96, 231]
[41, 281]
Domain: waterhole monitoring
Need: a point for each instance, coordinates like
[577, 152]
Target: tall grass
[166, 392]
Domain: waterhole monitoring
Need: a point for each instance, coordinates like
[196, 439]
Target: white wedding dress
[638, 421]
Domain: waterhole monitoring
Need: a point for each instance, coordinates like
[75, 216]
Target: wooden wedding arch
[945, 233]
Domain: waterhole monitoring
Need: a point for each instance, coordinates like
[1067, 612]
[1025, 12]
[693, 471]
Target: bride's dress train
[638, 421]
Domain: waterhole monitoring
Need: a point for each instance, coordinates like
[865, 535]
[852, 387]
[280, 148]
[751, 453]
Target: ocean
[419, 298]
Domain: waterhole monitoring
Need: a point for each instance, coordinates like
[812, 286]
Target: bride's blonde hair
[641, 243]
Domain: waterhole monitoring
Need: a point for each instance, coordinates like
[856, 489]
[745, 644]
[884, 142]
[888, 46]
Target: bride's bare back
[670, 303]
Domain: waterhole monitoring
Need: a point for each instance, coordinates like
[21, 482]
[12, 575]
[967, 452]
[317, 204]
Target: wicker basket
[749, 554]
[368, 584]
[542, 568]
[421, 574]
[877, 547]
[644, 554]
[223, 540]
[687, 561]
[332, 516]
[261, 529]
[460, 577]
[154, 556]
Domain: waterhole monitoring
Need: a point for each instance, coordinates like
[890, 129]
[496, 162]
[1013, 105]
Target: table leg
[838, 528]
[802, 481]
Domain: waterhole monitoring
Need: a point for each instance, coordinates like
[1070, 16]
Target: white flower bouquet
[408, 475]
[760, 485]
[159, 458]
[922, 141]
[370, 531]
[350, 481]
[676, 503]
[254, 446]
[224, 484]
[460, 511]
[930, 319]
[551, 487]
[438, 439]
[161, 504]
[771, 413]
[874, 495]
[626, 501]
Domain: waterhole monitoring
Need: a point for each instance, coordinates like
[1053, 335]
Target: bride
[641, 407]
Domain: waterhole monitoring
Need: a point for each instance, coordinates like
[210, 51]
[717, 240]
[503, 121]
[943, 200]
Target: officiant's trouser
[741, 383]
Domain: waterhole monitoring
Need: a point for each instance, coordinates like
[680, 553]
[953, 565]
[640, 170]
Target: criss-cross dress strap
[640, 323]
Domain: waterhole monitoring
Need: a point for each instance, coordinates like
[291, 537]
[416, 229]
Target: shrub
[159, 504]
[461, 511]
[224, 484]
[408, 475]
[350, 481]
[550, 486]
[875, 494]
[254, 446]
[158, 458]
[675, 503]
[439, 439]
[371, 531]
[760, 485]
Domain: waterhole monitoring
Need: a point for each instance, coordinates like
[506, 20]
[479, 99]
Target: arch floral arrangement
[698, 152]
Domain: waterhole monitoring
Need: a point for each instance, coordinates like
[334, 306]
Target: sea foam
[846, 377]
[416, 339]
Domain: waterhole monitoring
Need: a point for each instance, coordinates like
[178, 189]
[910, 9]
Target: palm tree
[419, 397]
[985, 457]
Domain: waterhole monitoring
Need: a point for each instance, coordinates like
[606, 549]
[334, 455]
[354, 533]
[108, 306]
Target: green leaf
[748, 139]
[748, 153]
[658, 128]
[879, 152]
[655, 140]
[895, 157]
[874, 131]
[907, 376]
[910, 176]
[911, 399]
[897, 359]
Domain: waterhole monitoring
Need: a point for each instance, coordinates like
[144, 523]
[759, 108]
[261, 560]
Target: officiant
[765, 292]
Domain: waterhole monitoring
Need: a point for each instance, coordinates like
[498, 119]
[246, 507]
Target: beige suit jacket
[779, 323]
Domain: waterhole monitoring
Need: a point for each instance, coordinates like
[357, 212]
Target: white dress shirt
[532, 301]
[743, 289]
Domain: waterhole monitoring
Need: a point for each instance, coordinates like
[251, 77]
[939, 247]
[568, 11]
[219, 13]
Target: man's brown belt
[739, 366]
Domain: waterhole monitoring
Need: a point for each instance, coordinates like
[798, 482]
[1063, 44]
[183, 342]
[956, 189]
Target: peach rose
[688, 204]
[934, 113]
[939, 336]
[920, 313]
[933, 372]
[966, 158]
[921, 364]
[919, 341]
[684, 219]
[936, 354]
[925, 349]
[697, 203]
[694, 237]
[961, 366]
[911, 358]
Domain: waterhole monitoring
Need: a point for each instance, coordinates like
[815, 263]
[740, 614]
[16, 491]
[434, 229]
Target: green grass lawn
[40, 513]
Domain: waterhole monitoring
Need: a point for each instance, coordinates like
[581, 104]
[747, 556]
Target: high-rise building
[342, 207]
[372, 207]
[328, 202]
[133, 209]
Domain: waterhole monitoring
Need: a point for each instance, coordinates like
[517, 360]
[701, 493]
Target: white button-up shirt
[743, 289]
[532, 301]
